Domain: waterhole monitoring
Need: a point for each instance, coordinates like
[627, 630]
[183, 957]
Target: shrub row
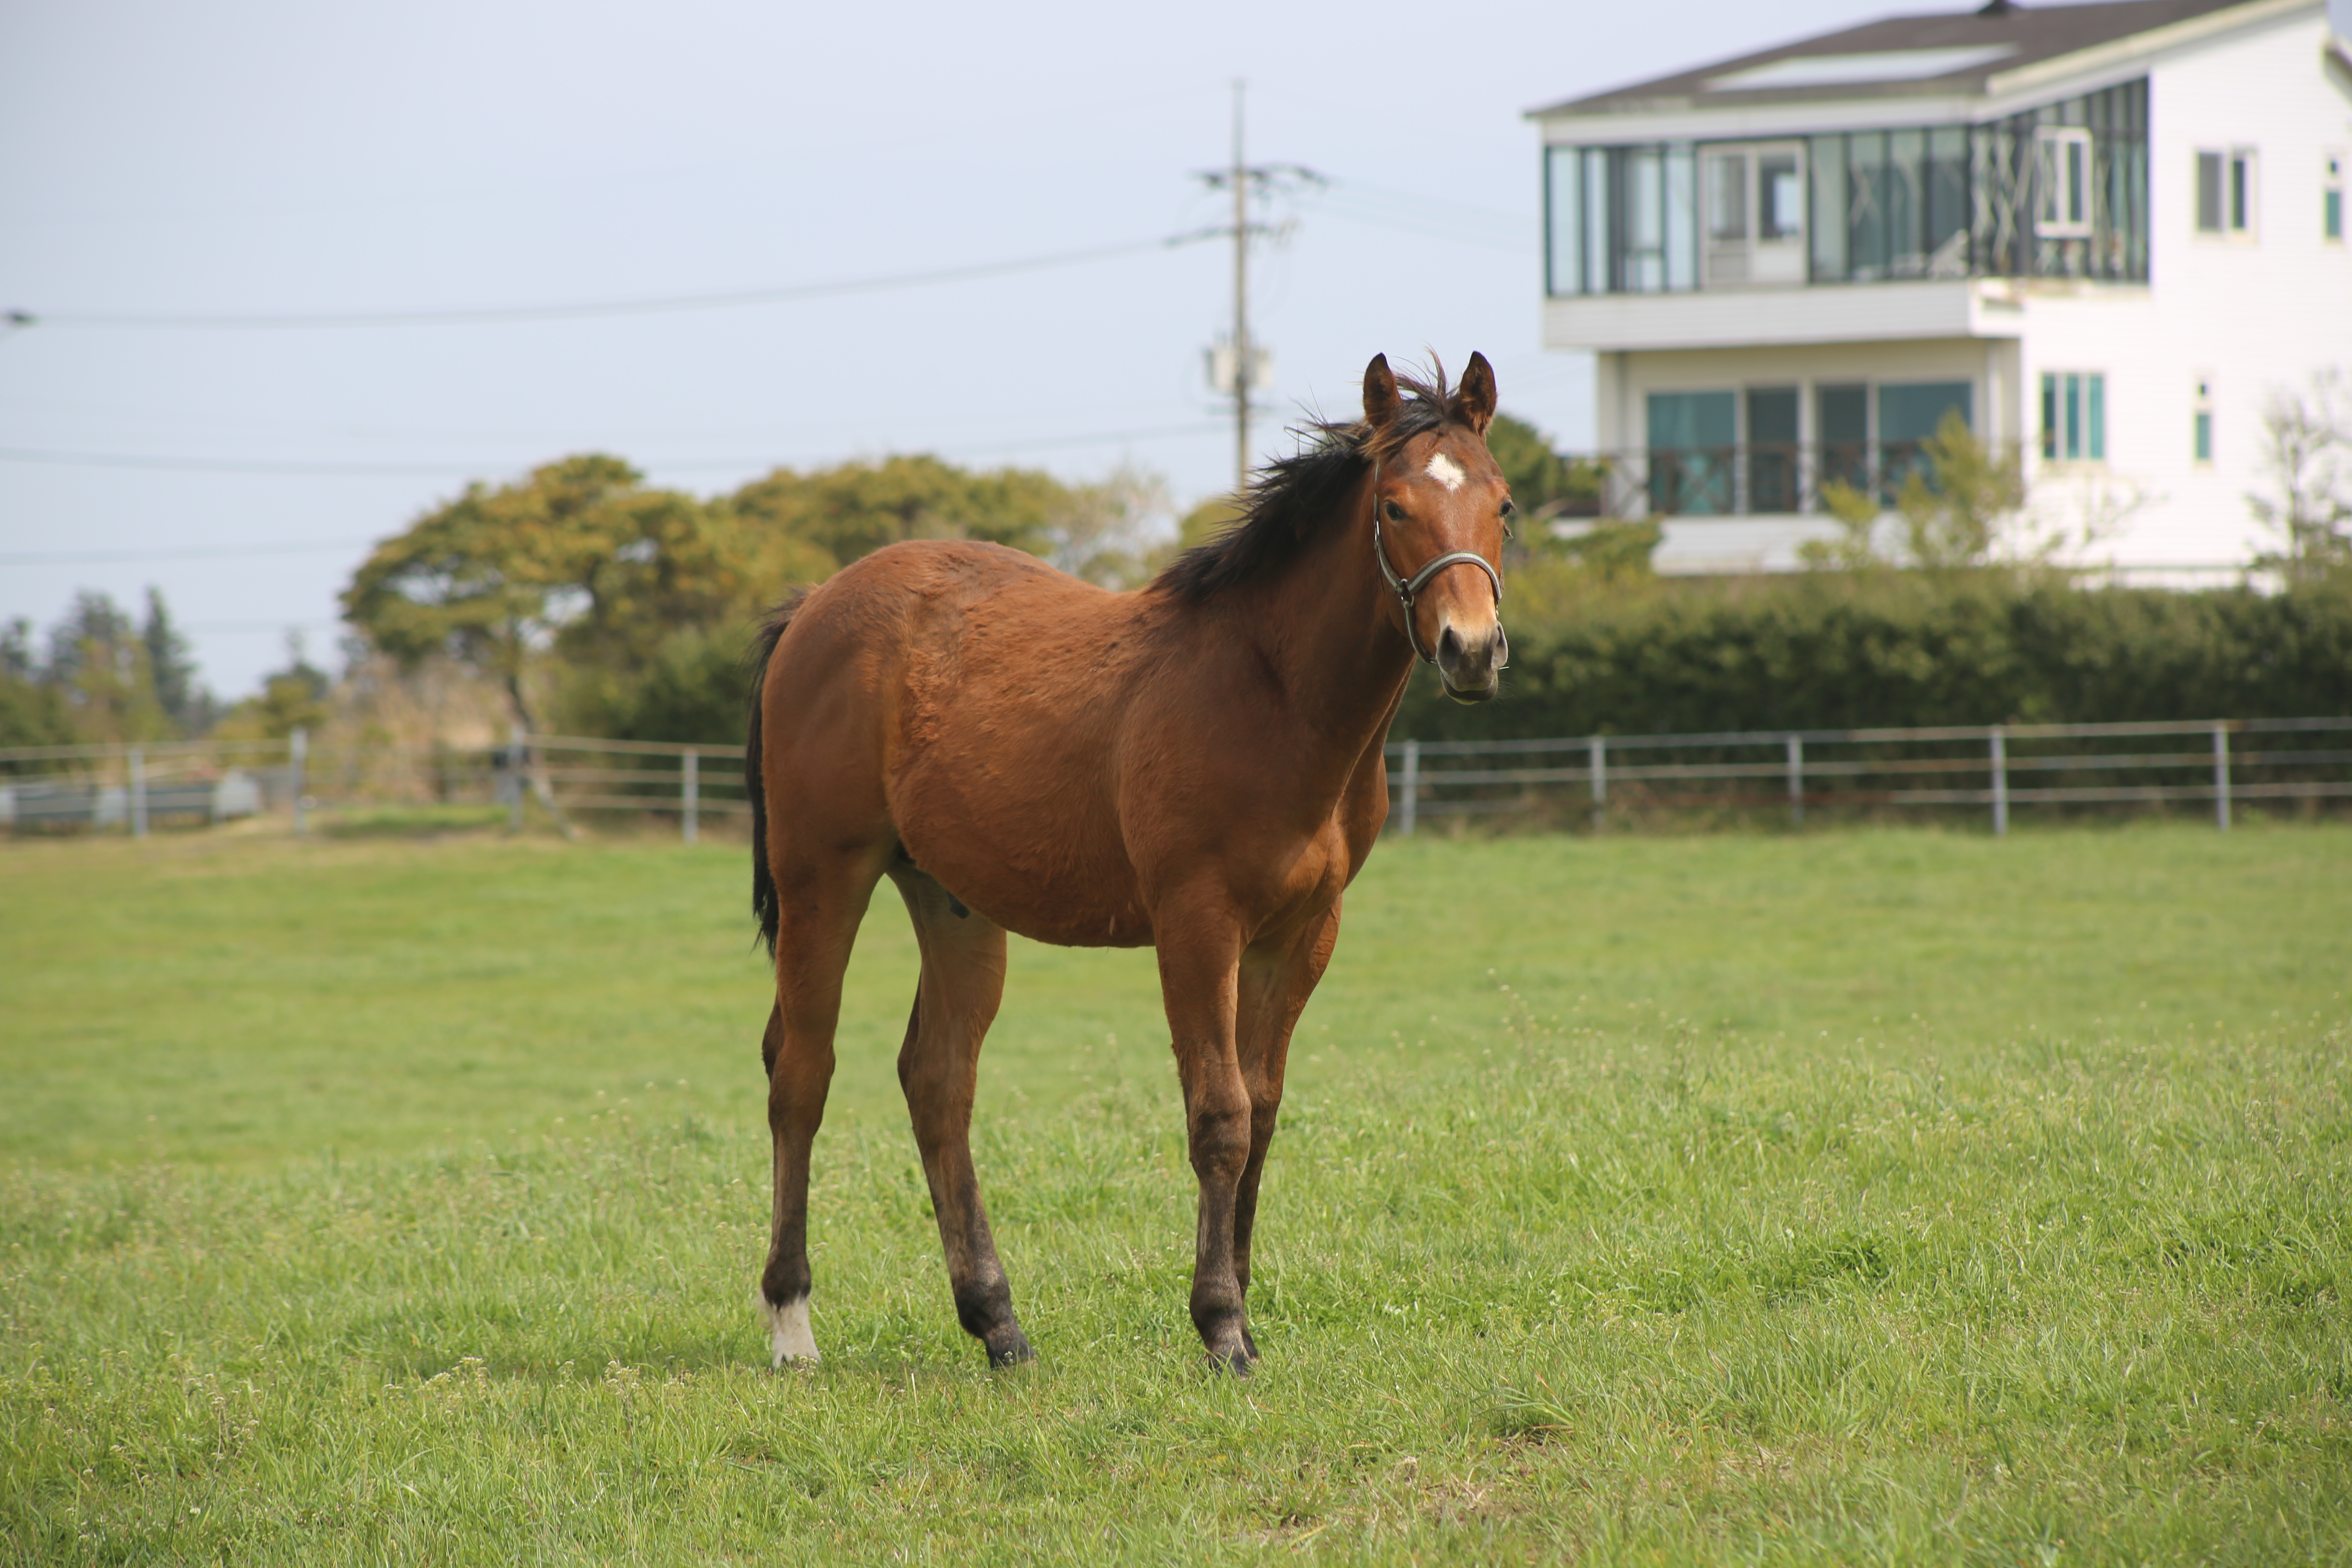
[1831, 652]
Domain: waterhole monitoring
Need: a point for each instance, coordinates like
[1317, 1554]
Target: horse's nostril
[1449, 646]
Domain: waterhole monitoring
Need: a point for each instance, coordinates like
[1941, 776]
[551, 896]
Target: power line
[495, 315]
[99, 557]
[464, 466]
[225, 464]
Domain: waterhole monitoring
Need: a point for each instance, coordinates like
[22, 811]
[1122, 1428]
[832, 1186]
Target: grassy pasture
[1872, 1196]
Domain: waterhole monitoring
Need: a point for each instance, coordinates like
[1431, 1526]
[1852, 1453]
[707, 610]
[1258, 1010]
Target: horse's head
[1441, 511]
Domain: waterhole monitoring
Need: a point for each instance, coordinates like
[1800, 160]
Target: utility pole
[1236, 365]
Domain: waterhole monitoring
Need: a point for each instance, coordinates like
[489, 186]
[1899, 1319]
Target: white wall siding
[2251, 315]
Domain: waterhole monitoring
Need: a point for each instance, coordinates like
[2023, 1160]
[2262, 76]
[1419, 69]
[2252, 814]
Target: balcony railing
[1761, 478]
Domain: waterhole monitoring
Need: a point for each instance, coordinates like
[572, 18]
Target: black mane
[1293, 499]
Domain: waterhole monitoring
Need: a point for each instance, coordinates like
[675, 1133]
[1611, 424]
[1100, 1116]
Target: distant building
[2103, 233]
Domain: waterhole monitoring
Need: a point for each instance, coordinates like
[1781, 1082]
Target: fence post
[691, 789]
[2221, 777]
[1597, 749]
[298, 757]
[1796, 781]
[514, 779]
[137, 792]
[1411, 786]
[2000, 782]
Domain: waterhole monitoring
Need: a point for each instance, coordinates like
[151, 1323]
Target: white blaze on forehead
[1446, 471]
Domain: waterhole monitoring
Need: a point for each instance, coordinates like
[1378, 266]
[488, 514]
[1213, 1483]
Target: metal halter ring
[1407, 589]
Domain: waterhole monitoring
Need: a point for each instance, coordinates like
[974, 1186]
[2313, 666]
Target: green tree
[188, 705]
[1544, 483]
[32, 712]
[98, 665]
[294, 698]
[579, 556]
[2307, 470]
[856, 508]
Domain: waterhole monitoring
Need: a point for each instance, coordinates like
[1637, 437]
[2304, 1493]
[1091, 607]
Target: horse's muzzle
[1472, 668]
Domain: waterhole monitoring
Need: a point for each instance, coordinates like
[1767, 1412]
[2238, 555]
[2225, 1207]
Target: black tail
[763, 881]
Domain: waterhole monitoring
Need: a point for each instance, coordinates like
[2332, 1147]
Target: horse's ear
[1473, 401]
[1380, 399]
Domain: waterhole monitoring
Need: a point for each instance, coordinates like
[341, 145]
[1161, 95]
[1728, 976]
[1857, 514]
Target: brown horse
[1196, 766]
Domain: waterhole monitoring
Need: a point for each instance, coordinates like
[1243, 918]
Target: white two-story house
[2105, 234]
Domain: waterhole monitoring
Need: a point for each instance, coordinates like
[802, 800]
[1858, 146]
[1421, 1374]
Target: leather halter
[1407, 589]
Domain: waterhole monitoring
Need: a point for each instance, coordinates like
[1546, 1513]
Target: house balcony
[1803, 313]
[1761, 479]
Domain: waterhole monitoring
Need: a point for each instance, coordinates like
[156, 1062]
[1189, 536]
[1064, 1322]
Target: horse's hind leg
[963, 980]
[820, 908]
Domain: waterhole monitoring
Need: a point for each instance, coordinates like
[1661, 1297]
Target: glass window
[1726, 198]
[1692, 438]
[1686, 421]
[1563, 226]
[2225, 192]
[1598, 279]
[1948, 202]
[1909, 412]
[1779, 197]
[2204, 435]
[2062, 204]
[1827, 155]
[2074, 417]
[2331, 198]
[1906, 153]
[2209, 193]
[1682, 218]
[1865, 206]
[1643, 204]
[1841, 420]
[1773, 448]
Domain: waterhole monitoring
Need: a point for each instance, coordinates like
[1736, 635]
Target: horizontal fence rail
[129, 788]
[2217, 763]
[1993, 768]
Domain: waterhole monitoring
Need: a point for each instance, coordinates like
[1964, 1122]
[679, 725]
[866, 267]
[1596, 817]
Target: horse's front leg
[1198, 981]
[1274, 985]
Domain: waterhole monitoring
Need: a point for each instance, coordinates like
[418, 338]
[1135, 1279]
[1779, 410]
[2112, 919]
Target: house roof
[1940, 54]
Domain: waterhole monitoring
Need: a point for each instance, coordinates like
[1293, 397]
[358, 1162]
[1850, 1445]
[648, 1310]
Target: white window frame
[2062, 184]
[1730, 263]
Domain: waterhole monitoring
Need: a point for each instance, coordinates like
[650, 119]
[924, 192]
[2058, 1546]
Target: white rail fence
[1994, 768]
[1595, 778]
[130, 787]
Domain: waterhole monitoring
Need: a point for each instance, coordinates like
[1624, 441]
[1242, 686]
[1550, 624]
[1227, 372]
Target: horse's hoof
[1008, 1348]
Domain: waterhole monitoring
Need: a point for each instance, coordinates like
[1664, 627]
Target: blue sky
[271, 158]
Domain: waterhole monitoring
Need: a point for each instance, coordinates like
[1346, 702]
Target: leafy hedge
[1832, 652]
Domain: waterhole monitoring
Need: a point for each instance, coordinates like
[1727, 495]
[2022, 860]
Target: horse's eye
[1395, 512]
[1509, 508]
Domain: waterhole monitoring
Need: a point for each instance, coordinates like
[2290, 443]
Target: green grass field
[1872, 1196]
